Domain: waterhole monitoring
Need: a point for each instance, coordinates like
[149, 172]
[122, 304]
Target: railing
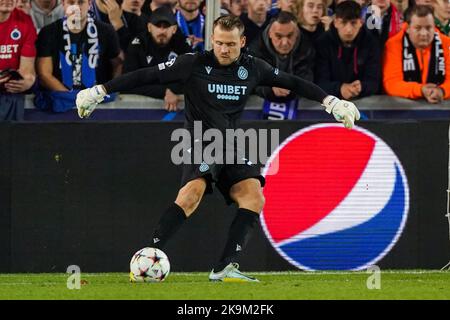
[135, 107]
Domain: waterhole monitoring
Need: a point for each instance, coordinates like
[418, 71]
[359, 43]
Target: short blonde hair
[301, 4]
[228, 23]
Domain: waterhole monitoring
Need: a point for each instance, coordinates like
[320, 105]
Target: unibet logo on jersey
[227, 92]
[7, 50]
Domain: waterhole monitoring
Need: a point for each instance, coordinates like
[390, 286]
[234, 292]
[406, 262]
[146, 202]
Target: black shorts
[224, 176]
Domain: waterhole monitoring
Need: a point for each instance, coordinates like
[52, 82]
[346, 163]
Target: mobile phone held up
[14, 74]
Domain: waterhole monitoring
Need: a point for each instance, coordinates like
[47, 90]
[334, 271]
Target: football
[149, 265]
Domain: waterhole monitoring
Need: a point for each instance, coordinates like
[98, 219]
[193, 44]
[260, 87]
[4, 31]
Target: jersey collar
[218, 65]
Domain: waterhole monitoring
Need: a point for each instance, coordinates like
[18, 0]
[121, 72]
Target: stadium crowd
[352, 49]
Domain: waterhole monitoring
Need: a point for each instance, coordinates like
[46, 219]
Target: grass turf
[185, 286]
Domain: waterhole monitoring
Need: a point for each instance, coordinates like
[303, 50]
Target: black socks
[238, 236]
[169, 223]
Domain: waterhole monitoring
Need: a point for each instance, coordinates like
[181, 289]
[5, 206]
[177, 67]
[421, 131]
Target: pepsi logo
[339, 200]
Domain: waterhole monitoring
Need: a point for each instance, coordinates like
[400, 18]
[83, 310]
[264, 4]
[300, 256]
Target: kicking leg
[187, 201]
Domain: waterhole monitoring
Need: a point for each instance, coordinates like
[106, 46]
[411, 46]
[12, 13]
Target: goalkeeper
[217, 85]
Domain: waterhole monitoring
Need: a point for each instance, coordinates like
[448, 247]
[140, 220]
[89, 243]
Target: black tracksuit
[336, 64]
[216, 94]
[252, 30]
[313, 35]
[143, 52]
[133, 25]
[299, 62]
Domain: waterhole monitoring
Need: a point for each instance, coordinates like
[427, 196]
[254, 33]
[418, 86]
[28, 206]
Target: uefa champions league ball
[149, 265]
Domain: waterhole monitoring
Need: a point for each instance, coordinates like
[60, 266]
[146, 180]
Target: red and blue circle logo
[338, 199]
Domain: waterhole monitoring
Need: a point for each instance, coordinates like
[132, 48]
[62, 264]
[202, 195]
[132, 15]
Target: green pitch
[185, 286]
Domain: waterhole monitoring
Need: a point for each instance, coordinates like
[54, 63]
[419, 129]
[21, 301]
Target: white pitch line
[317, 273]
[192, 274]
[41, 284]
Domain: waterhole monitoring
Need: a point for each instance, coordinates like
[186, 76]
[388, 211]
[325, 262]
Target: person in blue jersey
[191, 23]
[74, 53]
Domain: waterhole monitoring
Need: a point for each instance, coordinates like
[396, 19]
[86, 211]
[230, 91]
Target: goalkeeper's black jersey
[215, 94]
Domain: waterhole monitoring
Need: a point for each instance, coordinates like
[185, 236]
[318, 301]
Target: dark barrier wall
[91, 193]
[5, 197]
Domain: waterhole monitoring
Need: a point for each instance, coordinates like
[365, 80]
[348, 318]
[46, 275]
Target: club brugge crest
[172, 56]
[242, 73]
[15, 34]
[170, 62]
[204, 167]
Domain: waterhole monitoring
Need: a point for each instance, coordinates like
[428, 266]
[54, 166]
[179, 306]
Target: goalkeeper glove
[343, 111]
[88, 99]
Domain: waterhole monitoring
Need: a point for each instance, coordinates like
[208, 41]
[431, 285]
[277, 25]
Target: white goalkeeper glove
[88, 99]
[343, 111]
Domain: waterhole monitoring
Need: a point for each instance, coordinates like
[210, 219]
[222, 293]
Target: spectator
[203, 8]
[44, 12]
[416, 61]
[233, 7]
[273, 9]
[284, 5]
[157, 46]
[401, 6]
[236, 7]
[413, 3]
[332, 5]
[148, 8]
[424, 2]
[282, 45]
[192, 23]
[17, 52]
[313, 18]
[224, 7]
[244, 5]
[363, 3]
[383, 20]
[151, 5]
[256, 19]
[442, 15]
[348, 62]
[127, 25]
[133, 6]
[24, 5]
[74, 53]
